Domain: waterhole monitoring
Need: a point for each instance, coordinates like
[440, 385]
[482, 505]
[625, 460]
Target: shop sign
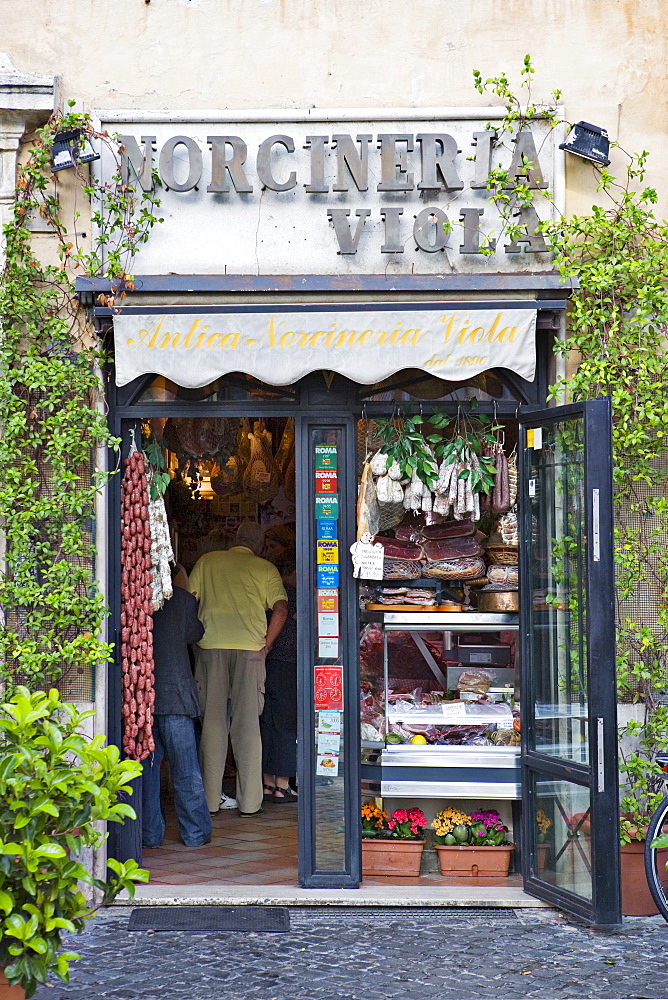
[405, 193]
[364, 343]
[368, 559]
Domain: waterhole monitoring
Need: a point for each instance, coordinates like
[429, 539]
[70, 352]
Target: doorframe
[315, 405]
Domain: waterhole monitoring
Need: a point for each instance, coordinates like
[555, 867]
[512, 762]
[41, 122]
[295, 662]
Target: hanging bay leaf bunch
[408, 449]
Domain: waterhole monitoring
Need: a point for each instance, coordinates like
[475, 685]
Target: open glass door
[567, 628]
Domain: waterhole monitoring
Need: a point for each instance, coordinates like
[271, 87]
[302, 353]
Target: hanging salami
[136, 611]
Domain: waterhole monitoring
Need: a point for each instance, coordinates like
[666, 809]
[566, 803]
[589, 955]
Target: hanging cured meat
[136, 611]
[290, 486]
[202, 437]
[286, 448]
[227, 481]
[367, 504]
[262, 477]
[161, 553]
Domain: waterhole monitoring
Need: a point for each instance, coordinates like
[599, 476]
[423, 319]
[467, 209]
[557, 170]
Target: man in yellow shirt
[235, 589]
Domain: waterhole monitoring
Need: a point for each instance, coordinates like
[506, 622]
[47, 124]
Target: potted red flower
[394, 846]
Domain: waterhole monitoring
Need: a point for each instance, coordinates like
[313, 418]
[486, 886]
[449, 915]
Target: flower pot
[470, 862]
[541, 856]
[391, 857]
[8, 992]
[636, 898]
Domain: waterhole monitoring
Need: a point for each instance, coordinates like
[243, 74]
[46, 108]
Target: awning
[364, 342]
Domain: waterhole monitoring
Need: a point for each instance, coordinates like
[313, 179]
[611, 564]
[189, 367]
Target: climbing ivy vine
[617, 326]
[51, 406]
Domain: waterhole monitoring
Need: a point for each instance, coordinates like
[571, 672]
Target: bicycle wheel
[655, 859]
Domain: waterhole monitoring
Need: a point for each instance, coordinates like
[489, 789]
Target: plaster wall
[608, 57]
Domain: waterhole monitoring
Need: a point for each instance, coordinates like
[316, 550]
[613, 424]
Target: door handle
[596, 524]
[599, 755]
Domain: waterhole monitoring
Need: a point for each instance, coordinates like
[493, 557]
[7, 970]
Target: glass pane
[562, 834]
[326, 452]
[236, 386]
[414, 384]
[557, 566]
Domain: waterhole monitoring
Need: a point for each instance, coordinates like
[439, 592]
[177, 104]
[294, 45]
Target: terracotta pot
[391, 857]
[470, 862]
[541, 856]
[8, 992]
[636, 898]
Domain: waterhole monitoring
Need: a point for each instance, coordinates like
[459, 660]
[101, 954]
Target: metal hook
[494, 412]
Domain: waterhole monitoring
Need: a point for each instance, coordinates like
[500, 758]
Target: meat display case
[437, 771]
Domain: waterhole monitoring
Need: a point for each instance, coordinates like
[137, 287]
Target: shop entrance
[428, 641]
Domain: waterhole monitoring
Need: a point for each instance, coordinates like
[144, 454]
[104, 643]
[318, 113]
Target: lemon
[418, 739]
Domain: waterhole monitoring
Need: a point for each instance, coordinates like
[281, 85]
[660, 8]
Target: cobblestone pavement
[357, 954]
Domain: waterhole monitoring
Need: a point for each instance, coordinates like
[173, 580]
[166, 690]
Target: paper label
[328, 648]
[325, 456]
[328, 600]
[329, 722]
[532, 489]
[454, 709]
[328, 624]
[368, 560]
[327, 507]
[327, 529]
[326, 481]
[327, 763]
[328, 576]
[329, 743]
[328, 551]
[480, 658]
[328, 686]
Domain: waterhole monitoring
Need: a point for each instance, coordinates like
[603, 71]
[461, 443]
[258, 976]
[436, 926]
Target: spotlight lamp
[589, 142]
[70, 148]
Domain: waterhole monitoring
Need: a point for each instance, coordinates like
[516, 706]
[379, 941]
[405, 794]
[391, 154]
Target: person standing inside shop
[176, 707]
[235, 589]
[278, 722]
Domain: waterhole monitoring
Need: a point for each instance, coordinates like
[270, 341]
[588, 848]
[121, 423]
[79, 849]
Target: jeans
[174, 737]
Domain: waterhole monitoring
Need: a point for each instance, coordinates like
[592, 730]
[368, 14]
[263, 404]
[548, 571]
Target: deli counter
[443, 721]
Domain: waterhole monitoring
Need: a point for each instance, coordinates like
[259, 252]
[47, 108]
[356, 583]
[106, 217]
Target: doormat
[210, 918]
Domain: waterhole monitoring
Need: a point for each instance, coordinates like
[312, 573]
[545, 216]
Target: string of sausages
[136, 612]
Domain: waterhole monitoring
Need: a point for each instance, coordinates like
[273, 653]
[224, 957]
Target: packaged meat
[402, 569]
[455, 569]
[396, 549]
[476, 680]
[451, 548]
[448, 529]
[503, 574]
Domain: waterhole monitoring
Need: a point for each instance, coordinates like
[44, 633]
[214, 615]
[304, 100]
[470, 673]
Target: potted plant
[543, 823]
[56, 786]
[392, 845]
[643, 790]
[469, 846]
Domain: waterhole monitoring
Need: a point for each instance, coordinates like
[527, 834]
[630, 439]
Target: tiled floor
[260, 850]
